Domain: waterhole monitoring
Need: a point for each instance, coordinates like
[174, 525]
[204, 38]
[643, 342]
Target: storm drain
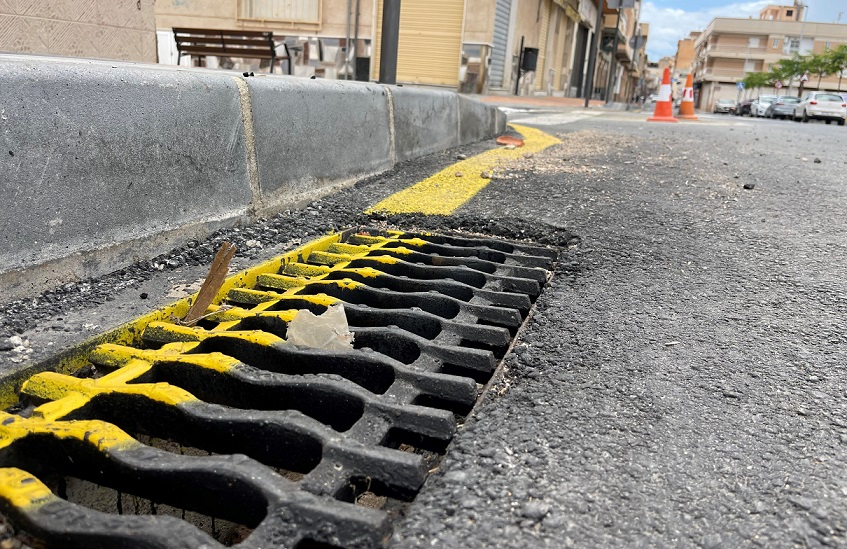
[224, 434]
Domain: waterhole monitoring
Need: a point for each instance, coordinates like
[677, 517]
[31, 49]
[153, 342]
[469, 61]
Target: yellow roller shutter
[430, 47]
[559, 53]
[543, 31]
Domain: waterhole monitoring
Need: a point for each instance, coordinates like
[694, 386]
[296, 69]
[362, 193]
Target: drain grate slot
[225, 434]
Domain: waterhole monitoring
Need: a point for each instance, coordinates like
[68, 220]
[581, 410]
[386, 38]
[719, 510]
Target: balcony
[735, 52]
[306, 12]
[722, 74]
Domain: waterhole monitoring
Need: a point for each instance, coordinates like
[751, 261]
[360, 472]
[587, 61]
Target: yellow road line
[444, 192]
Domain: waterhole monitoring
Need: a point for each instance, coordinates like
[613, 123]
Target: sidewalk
[547, 102]
[539, 101]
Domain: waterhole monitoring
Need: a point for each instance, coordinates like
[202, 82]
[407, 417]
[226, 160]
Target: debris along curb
[107, 162]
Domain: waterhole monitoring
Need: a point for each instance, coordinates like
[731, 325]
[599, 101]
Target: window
[789, 13]
[828, 45]
[754, 42]
[793, 44]
[775, 43]
[301, 11]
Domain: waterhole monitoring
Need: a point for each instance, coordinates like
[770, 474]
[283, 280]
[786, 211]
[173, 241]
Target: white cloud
[669, 25]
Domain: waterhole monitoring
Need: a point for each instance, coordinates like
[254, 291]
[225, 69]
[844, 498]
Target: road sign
[739, 85]
[804, 78]
[777, 85]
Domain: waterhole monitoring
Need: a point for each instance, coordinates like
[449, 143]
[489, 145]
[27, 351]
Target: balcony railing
[280, 11]
[729, 74]
[736, 51]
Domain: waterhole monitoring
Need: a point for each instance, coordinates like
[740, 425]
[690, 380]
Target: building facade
[95, 29]
[729, 49]
[312, 35]
[683, 62]
[475, 46]
[630, 62]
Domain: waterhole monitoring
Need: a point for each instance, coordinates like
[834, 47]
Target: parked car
[743, 107]
[761, 104]
[783, 107]
[724, 105]
[819, 105]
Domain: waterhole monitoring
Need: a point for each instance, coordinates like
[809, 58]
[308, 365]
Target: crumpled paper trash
[328, 331]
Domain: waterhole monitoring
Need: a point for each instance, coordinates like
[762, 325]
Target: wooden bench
[226, 43]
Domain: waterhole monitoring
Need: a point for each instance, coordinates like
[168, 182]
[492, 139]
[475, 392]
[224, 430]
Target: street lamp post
[800, 45]
[390, 39]
[592, 55]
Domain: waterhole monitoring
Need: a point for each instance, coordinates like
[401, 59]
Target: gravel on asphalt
[681, 381]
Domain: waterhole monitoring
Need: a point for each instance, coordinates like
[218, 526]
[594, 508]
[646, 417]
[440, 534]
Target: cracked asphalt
[681, 380]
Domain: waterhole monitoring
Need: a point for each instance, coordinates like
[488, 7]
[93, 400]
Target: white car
[760, 106]
[821, 106]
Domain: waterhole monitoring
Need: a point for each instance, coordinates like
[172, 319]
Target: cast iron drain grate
[225, 434]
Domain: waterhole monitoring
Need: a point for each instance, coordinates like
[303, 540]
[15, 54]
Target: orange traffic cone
[686, 107]
[664, 106]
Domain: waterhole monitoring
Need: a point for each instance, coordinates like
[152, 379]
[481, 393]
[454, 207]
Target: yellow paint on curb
[446, 191]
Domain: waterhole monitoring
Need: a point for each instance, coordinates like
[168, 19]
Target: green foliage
[837, 62]
[831, 62]
[755, 80]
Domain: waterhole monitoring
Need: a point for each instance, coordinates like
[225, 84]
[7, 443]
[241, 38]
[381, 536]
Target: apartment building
[683, 61]
[80, 28]
[728, 49]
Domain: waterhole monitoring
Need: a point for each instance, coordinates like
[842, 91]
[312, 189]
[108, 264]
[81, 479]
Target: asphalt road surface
[682, 380]
[681, 383]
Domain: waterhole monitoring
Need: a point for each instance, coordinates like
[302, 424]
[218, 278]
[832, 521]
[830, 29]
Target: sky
[672, 20]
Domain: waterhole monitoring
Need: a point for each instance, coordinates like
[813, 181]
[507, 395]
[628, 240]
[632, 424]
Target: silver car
[821, 106]
[783, 107]
[761, 104]
[724, 105]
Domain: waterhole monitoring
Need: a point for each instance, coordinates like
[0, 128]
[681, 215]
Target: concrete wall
[479, 22]
[108, 163]
[123, 30]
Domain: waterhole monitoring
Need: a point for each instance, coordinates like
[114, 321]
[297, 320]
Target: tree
[837, 59]
[776, 73]
[817, 64]
[793, 68]
[756, 80]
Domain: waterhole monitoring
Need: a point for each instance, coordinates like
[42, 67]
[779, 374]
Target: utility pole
[520, 69]
[592, 56]
[347, 44]
[610, 86]
[356, 45]
[390, 39]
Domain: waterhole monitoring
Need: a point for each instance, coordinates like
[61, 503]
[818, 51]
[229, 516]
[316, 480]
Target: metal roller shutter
[430, 45]
[501, 38]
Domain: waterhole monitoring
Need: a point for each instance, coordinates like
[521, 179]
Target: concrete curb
[108, 163]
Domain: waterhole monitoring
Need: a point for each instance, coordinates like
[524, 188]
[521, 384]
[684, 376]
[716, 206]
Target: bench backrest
[225, 43]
